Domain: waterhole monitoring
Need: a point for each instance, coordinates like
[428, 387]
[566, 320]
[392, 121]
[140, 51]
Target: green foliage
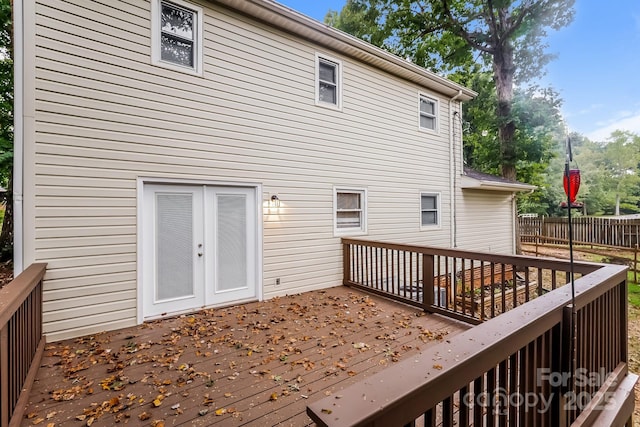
[6, 125]
[6, 92]
[610, 175]
[486, 45]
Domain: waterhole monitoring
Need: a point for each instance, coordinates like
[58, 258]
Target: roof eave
[478, 184]
[301, 25]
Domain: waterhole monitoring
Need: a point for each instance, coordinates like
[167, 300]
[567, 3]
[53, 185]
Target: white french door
[199, 247]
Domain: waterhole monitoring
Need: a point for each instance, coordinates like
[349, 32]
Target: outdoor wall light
[275, 201]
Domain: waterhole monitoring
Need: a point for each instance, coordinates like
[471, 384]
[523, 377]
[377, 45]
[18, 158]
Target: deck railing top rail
[580, 267]
[14, 293]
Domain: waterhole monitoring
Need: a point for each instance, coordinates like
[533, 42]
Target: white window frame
[436, 108]
[438, 197]
[156, 30]
[338, 64]
[362, 229]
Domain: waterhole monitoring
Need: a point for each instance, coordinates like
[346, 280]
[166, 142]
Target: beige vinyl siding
[485, 221]
[105, 117]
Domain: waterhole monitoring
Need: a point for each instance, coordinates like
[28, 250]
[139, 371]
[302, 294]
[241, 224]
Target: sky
[597, 68]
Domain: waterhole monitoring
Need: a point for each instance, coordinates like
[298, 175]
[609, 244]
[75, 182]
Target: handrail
[21, 341]
[483, 357]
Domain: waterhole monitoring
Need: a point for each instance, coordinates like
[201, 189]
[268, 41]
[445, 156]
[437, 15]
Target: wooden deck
[255, 364]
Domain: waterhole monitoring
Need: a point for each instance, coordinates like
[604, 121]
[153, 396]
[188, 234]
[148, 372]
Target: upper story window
[429, 209]
[328, 82]
[428, 113]
[177, 35]
[350, 210]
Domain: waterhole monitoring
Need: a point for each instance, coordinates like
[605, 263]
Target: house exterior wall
[106, 117]
[485, 221]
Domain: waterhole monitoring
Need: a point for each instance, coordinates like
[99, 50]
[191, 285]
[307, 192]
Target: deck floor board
[256, 364]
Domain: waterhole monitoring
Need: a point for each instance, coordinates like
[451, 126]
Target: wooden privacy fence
[622, 255]
[607, 231]
[510, 370]
[21, 341]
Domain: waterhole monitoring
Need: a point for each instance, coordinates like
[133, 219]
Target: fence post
[427, 282]
[635, 264]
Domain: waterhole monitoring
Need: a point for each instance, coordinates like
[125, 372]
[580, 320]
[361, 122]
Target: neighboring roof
[472, 179]
[294, 22]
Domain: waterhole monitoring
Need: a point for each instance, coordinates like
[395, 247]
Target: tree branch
[459, 29]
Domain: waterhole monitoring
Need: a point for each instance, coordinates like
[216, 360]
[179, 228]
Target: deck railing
[468, 286]
[516, 369]
[21, 341]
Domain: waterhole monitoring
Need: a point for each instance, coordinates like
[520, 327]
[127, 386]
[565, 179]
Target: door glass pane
[174, 245]
[231, 241]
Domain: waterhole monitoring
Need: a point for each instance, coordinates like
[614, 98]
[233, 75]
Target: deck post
[427, 282]
[346, 263]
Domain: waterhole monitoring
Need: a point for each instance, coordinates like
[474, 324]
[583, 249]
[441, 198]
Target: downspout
[453, 174]
[18, 136]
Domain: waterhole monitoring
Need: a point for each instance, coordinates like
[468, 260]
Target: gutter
[473, 184]
[453, 205]
[18, 137]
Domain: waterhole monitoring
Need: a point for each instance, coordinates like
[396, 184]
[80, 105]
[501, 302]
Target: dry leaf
[38, 421]
[274, 396]
[157, 423]
[90, 421]
[144, 416]
[221, 411]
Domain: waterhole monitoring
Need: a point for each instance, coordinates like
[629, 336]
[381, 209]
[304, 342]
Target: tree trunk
[503, 71]
[6, 236]
[617, 213]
